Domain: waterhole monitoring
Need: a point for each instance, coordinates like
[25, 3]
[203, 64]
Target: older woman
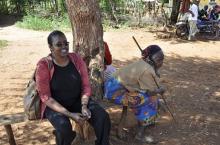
[135, 86]
[65, 91]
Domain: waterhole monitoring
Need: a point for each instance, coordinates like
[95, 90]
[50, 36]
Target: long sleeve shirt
[108, 56]
[137, 76]
[44, 74]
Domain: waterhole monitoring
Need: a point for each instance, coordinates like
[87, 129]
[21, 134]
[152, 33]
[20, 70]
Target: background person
[203, 14]
[214, 13]
[108, 68]
[192, 19]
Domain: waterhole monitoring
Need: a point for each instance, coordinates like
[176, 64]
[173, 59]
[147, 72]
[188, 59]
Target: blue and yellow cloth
[143, 105]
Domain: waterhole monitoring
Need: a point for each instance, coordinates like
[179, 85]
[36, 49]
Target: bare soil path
[191, 72]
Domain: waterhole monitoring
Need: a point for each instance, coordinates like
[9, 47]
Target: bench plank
[8, 119]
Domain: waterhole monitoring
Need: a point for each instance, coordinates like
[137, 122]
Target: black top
[65, 85]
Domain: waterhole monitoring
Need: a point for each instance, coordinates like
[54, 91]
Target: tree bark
[175, 11]
[85, 17]
[184, 7]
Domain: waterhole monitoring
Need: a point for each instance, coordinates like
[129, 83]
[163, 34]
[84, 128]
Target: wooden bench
[9, 119]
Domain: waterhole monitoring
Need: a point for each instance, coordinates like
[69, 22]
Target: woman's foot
[121, 134]
[146, 139]
[141, 137]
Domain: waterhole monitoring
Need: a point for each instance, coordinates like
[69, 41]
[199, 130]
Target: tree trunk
[184, 7]
[18, 8]
[85, 17]
[164, 14]
[175, 11]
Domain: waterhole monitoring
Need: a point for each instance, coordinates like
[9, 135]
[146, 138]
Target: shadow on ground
[193, 96]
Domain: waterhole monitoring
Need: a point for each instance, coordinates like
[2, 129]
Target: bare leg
[120, 132]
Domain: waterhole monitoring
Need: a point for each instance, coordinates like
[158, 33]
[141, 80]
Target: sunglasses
[61, 44]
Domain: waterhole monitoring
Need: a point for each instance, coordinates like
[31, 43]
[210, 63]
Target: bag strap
[49, 65]
[49, 60]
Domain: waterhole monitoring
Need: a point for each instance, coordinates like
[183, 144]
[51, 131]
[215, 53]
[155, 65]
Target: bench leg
[10, 134]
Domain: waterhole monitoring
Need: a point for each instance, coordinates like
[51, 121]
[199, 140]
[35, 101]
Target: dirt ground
[191, 73]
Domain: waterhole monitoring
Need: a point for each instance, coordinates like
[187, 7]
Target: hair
[52, 35]
[196, 1]
[150, 51]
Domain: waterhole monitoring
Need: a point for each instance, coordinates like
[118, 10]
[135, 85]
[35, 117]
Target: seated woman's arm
[86, 88]
[54, 105]
[43, 87]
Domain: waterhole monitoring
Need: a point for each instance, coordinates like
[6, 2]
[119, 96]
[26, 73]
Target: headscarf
[149, 51]
[147, 54]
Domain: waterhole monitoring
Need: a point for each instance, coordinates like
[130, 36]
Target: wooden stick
[165, 102]
[137, 44]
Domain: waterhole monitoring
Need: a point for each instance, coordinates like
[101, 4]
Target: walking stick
[165, 102]
[137, 44]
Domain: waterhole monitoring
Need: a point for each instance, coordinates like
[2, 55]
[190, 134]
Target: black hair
[206, 7]
[53, 34]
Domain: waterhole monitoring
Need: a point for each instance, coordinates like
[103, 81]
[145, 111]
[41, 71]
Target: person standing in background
[192, 19]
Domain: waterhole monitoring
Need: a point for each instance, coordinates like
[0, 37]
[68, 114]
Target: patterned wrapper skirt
[143, 105]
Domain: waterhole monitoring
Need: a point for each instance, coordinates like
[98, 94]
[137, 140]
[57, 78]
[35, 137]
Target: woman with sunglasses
[65, 92]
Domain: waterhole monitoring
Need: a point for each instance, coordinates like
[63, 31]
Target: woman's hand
[78, 117]
[161, 90]
[86, 112]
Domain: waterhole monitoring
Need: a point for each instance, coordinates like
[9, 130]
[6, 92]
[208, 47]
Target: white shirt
[194, 9]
